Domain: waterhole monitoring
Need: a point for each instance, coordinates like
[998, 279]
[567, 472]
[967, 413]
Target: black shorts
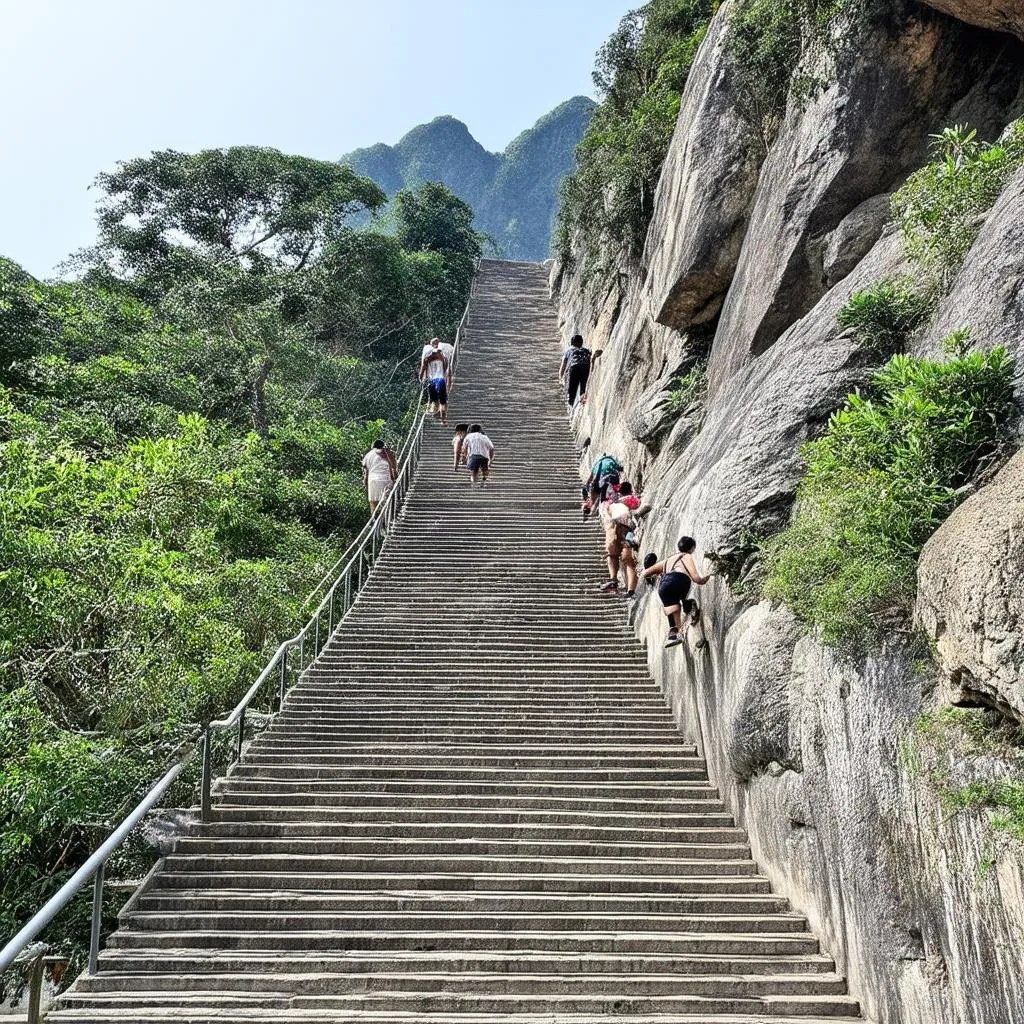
[578, 377]
[477, 462]
[437, 391]
[673, 588]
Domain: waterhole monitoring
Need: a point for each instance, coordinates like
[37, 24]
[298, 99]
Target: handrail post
[241, 735]
[302, 651]
[97, 918]
[284, 678]
[35, 989]
[330, 613]
[204, 785]
[316, 635]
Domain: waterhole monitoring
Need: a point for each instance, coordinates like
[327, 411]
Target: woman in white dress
[378, 473]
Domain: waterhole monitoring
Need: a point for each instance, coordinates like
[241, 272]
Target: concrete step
[447, 1002]
[441, 901]
[482, 821]
[470, 882]
[395, 846]
[334, 940]
[247, 794]
[517, 832]
[475, 983]
[198, 1015]
[227, 962]
[710, 862]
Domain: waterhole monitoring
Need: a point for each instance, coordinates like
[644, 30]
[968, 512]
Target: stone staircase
[475, 807]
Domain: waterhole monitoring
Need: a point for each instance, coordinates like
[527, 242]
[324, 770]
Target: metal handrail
[370, 539]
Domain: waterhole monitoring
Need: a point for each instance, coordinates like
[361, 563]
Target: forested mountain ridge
[514, 193]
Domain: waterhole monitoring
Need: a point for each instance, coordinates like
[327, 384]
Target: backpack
[605, 467]
[578, 357]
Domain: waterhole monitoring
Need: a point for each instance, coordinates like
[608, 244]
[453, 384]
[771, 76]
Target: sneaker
[630, 594]
[673, 639]
[610, 587]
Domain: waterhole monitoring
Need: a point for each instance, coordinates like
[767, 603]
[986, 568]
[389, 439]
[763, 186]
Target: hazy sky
[89, 82]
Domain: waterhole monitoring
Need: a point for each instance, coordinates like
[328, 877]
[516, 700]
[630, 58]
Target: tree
[433, 219]
[250, 206]
[22, 327]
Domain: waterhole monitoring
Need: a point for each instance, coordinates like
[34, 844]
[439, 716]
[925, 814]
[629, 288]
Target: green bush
[938, 206]
[768, 40]
[884, 315]
[969, 737]
[878, 483]
[690, 388]
[180, 456]
[640, 72]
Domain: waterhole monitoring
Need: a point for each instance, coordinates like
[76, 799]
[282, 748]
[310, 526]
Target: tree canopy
[181, 429]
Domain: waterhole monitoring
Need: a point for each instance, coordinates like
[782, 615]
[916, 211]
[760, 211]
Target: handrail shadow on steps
[294, 656]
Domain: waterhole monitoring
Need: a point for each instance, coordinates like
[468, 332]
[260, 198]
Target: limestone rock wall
[747, 262]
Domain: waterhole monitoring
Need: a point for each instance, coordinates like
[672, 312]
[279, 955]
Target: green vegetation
[689, 389]
[943, 747]
[181, 429]
[939, 205]
[768, 43]
[885, 474]
[640, 73]
[884, 315]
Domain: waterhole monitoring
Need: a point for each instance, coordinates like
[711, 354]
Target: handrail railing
[357, 561]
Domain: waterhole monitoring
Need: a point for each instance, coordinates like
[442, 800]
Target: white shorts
[377, 488]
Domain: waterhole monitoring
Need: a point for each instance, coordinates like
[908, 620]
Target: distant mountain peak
[514, 194]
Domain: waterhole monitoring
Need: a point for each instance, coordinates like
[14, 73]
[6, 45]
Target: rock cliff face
[1000, 15]
[748, 259]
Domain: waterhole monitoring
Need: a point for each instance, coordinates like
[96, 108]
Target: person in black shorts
[479, 454]
[677, 574]
[576, 364]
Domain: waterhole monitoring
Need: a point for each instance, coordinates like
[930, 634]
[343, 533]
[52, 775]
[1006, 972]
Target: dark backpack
[578, 357]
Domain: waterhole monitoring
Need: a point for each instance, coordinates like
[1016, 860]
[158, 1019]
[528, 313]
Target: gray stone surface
[971, 594]
[704, 194]
[988, 293]
[857, 138]
[853, 239]
[999, 15]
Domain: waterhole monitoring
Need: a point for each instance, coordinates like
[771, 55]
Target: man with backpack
[604, 478]
[576, 362]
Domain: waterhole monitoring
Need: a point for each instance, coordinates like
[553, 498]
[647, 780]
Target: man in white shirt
[479, 454]
[435, 369]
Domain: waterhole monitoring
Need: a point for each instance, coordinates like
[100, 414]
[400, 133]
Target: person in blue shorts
[435, 367]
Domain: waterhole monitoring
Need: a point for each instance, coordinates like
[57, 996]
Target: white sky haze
[90, 82]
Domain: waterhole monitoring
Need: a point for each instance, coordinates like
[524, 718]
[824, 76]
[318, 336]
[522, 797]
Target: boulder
[844, 248]
[998, 15]
[740, 472]
[704, 193]
[971, 598]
